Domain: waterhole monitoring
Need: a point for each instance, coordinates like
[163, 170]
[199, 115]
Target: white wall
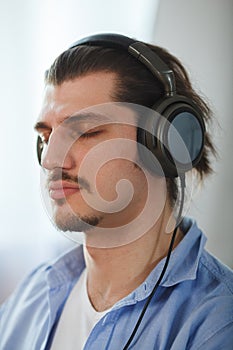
[200, 33]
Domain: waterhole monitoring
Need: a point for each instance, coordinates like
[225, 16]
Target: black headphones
[176, 138]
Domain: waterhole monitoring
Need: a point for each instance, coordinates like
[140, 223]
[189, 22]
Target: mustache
[58, 175]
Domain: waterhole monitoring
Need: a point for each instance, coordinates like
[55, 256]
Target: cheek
[84, 164]
[109, 166]
[119, 178]
[107, 179]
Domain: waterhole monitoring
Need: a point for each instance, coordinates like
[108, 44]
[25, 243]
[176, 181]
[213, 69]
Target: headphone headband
[138, 50]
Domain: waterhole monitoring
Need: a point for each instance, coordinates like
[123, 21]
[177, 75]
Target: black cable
[182, 182]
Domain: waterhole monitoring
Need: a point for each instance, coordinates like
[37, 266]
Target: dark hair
[135, 84]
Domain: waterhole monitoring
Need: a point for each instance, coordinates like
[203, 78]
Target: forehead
[72, 96]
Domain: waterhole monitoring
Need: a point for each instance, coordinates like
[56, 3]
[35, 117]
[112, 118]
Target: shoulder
[49, 274]
[33, 282]
[205, 296]
[16, 314]
[213, 312]
[218, 272]
[31, 301]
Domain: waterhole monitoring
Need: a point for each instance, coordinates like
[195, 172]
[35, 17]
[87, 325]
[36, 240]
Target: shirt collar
[185, 257]
[183, 262]
[182, 266]
[66, 269]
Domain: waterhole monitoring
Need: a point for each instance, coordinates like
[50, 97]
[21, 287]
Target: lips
[62, 189]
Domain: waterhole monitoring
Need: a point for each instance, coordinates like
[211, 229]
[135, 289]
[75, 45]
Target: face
[91, 181]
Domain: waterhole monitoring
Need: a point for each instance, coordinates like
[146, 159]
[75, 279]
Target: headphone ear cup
[39, 149]
[173, 136]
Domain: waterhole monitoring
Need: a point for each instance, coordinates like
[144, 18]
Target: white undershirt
[77, 320]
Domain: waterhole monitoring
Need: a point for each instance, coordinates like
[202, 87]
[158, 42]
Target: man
[113, 144]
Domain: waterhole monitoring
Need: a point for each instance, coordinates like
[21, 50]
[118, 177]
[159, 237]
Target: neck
[115, 272]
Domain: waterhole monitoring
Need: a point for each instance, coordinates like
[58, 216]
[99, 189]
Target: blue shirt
[192, 309]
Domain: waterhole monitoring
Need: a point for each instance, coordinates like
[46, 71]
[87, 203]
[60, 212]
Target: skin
[114, 271]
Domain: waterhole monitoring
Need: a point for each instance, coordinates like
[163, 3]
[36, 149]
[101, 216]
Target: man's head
[86, 76]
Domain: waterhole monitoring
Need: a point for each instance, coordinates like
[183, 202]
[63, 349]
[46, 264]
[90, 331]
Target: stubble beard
[74, 222]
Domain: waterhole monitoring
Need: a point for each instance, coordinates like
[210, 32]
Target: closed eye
[90, 134]
[77, 134]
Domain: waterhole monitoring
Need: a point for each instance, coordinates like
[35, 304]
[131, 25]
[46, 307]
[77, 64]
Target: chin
[76, 223]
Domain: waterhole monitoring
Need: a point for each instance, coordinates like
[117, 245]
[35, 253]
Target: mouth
[62, 189]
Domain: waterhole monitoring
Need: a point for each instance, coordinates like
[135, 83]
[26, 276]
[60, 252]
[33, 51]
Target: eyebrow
[82, 117]
[41, 126]
[86, 117]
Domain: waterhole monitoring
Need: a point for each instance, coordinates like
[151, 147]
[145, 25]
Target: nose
[56, 154]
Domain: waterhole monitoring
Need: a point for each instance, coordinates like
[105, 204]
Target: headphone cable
[182, 182]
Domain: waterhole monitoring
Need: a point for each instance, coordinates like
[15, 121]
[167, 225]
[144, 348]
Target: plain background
[33, 33]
